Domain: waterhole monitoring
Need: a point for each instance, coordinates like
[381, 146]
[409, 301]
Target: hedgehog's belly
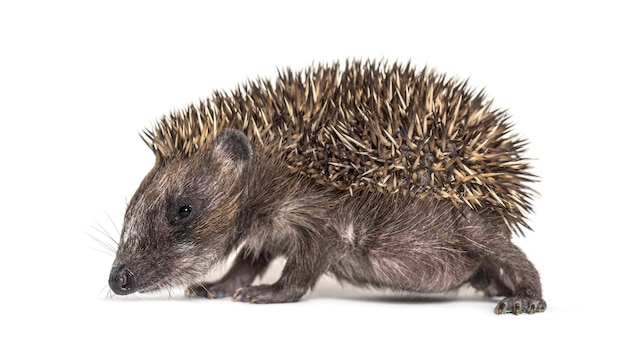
[429, 267]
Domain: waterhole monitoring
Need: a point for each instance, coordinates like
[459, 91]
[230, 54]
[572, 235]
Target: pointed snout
[122, 280]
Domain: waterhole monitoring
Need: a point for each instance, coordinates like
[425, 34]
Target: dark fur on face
[182, 219]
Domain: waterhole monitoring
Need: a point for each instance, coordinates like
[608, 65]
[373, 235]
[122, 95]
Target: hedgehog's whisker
[117, 229]
[104, 238]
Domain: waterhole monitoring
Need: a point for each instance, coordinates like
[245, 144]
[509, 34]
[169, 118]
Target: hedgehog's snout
[122, 280]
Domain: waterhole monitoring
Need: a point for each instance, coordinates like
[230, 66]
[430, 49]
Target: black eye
[183, 212]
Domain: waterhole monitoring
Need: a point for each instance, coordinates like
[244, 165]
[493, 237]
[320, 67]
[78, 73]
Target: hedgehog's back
[389, 129]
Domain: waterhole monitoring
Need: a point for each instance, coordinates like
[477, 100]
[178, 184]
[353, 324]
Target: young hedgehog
[381, 175]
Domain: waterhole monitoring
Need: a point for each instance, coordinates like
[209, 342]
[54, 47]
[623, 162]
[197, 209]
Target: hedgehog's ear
[234, 145]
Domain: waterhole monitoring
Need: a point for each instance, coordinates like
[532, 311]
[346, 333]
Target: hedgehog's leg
[242, 273]
[302, 269]
[507, 272]
[298, 277]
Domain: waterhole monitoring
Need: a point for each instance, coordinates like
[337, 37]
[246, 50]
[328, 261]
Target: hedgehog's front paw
[268, 294]
[211, 290]
[518, 305]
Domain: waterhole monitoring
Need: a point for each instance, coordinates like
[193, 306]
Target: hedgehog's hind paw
[517, 305]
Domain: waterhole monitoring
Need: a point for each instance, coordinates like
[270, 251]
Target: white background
[79, 80]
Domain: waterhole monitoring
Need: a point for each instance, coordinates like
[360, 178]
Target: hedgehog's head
[184, 217]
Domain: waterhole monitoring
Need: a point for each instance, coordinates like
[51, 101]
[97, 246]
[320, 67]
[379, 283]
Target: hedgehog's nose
[122, 280]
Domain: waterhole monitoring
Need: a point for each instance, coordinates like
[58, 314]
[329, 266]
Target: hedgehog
[379, 174]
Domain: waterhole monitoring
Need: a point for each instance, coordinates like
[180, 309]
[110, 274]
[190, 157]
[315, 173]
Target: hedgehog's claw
[517, 305]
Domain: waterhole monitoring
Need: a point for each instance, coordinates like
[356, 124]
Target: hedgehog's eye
[183, 212]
